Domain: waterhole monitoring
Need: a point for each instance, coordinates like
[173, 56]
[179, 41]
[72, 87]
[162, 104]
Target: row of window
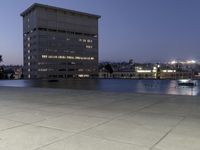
[67, 57]
[55, 50]
[55, 63]
[89, 46]
[50, 69]
[85, 40]
[61, 31]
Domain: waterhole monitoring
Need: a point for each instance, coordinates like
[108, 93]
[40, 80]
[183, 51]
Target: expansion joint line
[162, 138]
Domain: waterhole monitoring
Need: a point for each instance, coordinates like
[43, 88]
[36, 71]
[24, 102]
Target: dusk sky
[142, 30]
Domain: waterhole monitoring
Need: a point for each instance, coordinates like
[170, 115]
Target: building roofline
[57, 8]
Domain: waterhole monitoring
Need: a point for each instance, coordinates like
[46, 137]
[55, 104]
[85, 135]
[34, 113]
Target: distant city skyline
[142, 30]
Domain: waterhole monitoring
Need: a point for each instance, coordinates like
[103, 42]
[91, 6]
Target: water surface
[113, 85]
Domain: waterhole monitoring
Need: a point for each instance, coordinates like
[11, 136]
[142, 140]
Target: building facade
[59, 43]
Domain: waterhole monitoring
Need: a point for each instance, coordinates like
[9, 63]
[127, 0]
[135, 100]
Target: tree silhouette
[1, 72]
[109, 68]
[1, 59]
[1, 68]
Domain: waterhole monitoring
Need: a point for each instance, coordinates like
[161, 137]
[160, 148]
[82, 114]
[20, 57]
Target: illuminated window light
[169, 71]
[83, 75]
[52, 57]
[89, 46]
[43, 70]
[44, 56]
[70, 57]
[144, 71]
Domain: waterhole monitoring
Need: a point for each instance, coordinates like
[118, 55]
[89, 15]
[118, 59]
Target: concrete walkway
[50, 119]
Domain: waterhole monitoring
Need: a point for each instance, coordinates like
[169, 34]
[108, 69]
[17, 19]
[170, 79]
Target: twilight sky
[143, 30]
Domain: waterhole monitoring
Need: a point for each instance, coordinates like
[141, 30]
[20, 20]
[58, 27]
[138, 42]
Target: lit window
[77, 57]
[44, 56]
[43, 70]
[89, 41]
[80, 70]
[61, 57]
[29, 70]
[29, 57]
[89, 46]
[83, 75]
[29, 64]
[52, 57]
[70, 57]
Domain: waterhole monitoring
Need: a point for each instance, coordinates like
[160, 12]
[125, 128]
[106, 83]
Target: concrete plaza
[58, 119]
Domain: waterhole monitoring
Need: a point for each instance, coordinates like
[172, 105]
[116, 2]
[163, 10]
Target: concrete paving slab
[186, 136]
[181, 109]
[153, 121]
[7, 124]
[59, 119]
[127, 132]
[31, 116]
[4, 110]
[75, 123]
[81, 142]
[29, 137]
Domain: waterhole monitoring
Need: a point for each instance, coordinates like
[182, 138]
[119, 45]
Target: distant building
[117, 75]
[12, 72]
[59, 43]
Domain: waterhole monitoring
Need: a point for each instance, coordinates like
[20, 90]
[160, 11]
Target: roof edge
[57, 8]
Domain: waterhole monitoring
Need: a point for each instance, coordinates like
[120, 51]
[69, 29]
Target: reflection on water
[139, 86]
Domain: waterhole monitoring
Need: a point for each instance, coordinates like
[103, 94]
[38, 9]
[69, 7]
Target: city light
[183, 62]
[191, 62]
[173, 62]
[169, 71]
[184, 80]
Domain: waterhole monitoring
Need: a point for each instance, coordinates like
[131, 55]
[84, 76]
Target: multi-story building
[59, 43]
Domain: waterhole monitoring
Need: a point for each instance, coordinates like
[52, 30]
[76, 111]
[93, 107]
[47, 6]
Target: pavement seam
[105, 122]
[163, 137]
[13, 127]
